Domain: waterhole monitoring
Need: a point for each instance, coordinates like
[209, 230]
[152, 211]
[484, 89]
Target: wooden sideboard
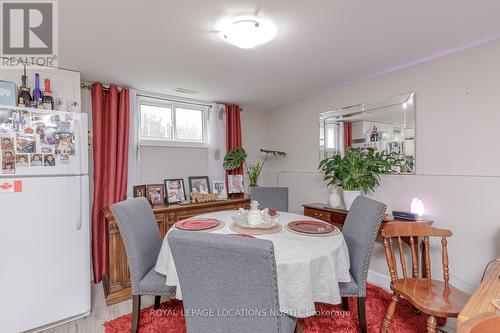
[116, 284]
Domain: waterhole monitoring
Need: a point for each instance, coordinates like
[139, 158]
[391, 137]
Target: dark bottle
[47, 99]
[24, 92]
[37, 93]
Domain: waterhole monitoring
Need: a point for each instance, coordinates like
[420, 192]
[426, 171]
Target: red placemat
[197, 224]
[310, 227]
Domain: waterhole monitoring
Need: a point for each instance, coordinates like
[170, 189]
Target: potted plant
[237, 156]
[358, 171]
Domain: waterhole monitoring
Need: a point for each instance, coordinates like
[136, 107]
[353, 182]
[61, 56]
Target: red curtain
[110, 122]
[347, 135]
[233, 134]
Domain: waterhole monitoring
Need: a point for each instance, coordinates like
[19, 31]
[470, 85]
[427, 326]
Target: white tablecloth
[308, 268]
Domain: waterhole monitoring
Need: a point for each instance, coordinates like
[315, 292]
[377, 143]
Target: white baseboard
[379, 279]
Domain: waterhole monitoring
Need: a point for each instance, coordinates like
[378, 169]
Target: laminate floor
[100, 313]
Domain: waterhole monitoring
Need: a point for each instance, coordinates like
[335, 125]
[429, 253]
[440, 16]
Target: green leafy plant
[237, 156]
[358, 170]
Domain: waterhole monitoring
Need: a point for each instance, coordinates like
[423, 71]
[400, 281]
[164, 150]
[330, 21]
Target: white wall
[253, 128]
[159, 163]
[458, 154]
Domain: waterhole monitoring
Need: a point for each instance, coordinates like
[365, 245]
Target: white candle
[417, 207]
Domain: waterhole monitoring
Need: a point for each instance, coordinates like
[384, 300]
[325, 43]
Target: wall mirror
[387, 125]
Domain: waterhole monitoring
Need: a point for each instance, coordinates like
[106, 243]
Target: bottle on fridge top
[37, 93]
[24, 92]
[47, 99]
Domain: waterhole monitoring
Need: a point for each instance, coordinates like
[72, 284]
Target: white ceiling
[160, 45]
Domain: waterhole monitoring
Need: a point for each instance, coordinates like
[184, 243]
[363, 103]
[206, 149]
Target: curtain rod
[88, 85]
[173, 99]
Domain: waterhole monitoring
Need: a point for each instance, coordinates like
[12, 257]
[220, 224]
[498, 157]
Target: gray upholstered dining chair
[224, 274]
[360, 231]
[142, 240]
[271, 197]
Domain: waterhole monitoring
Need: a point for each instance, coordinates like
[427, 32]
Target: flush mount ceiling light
[247, 32]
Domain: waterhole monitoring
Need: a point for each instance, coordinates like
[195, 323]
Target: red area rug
[330, 318]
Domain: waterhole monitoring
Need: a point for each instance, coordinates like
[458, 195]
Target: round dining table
[309, 268]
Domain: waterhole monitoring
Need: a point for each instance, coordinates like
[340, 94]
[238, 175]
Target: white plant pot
[349, 197]
[334, 199]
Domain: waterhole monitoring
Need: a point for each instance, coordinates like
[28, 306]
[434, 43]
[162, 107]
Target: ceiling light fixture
[247, 32]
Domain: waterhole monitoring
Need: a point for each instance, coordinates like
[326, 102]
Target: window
[172, 124]
[330, 138]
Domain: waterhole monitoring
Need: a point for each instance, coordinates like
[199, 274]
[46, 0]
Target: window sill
[174, 144]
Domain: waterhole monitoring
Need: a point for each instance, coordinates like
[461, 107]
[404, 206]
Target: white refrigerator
[44, 218]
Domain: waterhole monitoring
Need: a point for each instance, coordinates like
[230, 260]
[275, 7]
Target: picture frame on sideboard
[174, 190]
[199, 184]
[219, 187]
[155, 194]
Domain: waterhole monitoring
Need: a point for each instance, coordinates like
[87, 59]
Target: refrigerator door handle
[78, 219]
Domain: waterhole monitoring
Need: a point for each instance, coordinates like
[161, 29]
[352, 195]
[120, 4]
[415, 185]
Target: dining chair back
[141, 237]
[433, 297]
[394, 234]
[360, 232]
[228, 283]
[140, 234]
[271, 197]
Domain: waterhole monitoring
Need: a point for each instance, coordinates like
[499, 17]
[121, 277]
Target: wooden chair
[433, 297]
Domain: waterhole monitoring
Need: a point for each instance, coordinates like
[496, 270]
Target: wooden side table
[337, 217]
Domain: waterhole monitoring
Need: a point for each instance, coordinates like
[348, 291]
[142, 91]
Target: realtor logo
[29, 33]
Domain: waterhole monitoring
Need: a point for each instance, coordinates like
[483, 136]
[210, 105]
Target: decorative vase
[334, 199]
[349, 197]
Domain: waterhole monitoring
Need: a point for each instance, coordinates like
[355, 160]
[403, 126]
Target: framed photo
[219, 187]
[139, 191]
[8, 156]
[174, 189]
[49, 160]
[8, 167]
[36, 160]
[199, 184]
[25, 144]
[235, 184]
[22, 161]
[6, 143]
[155, 194]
